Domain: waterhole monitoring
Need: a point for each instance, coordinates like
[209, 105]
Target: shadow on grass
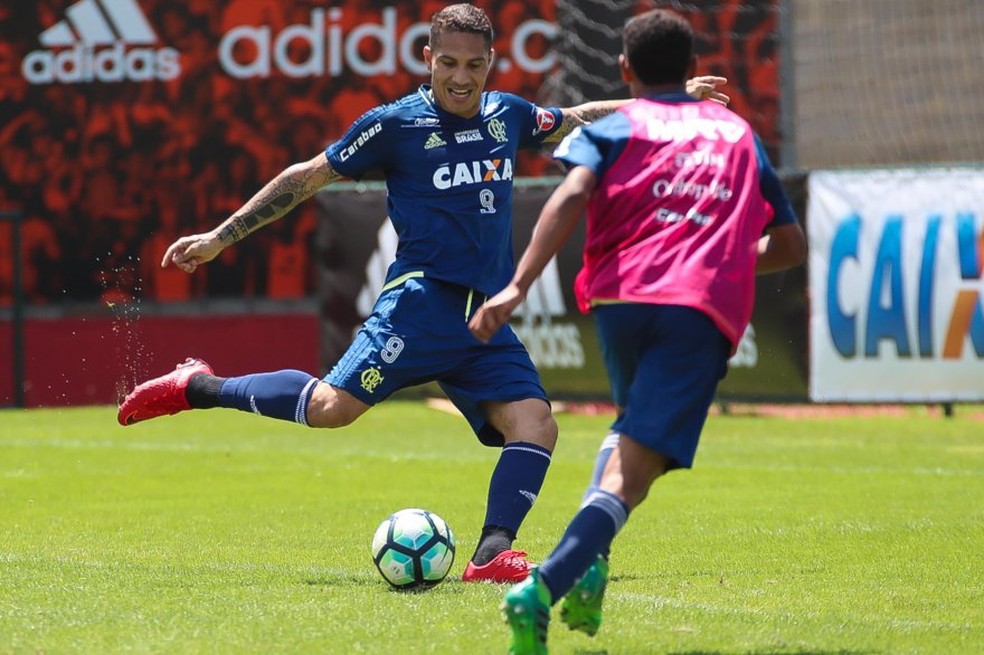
[449, 585]
[772, 651]
[341, 581]
[781, 651]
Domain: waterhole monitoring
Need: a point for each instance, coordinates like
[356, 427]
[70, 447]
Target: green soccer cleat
[526, 608]
[581, 607]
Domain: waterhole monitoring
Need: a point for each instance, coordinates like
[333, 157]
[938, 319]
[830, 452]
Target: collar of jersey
[427, 93]
[672, 96]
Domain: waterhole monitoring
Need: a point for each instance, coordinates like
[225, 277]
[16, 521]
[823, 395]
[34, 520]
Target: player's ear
[625, 69]
[428, 56]
[491, 57]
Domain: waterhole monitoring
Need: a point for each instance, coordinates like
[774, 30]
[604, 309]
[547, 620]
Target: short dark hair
[461, 18]
[659, 45]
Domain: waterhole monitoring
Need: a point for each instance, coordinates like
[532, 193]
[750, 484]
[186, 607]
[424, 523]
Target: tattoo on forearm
[240, 226]
[589, 115]
[234, 231]
[275, 200]
[582, 116]
[275, 209]
[585, 114]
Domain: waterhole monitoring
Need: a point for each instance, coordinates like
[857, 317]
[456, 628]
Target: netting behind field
[589, 40]
[737, 39]
[886, 82]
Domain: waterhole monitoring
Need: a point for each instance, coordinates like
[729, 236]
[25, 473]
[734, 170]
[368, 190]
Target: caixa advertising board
[896, 285]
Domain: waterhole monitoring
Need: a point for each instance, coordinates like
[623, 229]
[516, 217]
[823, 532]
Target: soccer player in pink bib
[683, 209]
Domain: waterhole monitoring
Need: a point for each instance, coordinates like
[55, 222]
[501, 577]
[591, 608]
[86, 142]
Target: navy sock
[515, 483]
[283, 394]
[589, 534]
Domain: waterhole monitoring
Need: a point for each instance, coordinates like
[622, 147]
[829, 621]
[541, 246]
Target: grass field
[219, 532]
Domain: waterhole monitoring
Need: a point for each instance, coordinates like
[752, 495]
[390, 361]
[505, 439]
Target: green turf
[220, 532]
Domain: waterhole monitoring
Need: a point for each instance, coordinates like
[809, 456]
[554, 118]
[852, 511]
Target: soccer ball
[413, 548]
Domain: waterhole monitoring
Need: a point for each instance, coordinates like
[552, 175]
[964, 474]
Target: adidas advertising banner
[356, 243]
[896, 285]
[127, 123]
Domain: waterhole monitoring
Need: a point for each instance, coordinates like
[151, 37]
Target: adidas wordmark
[94, 43]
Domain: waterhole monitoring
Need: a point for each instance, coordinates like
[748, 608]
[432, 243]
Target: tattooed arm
[582, 115]
[280, 195]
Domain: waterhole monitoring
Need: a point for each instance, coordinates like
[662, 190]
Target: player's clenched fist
[188, 252]
[495, 313]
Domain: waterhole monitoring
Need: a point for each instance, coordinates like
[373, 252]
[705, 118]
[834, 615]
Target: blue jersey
[449, 181]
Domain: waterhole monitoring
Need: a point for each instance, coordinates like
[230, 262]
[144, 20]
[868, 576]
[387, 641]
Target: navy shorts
[417, 333]
[664, 363]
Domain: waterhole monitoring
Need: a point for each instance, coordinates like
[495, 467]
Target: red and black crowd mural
[127, 123]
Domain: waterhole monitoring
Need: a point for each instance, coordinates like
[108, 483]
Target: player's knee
[329, 407]
[526, 420]
[542, 430]
[550, 431]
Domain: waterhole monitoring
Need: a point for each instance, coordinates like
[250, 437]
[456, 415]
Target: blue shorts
[417, 333]
[664, 363]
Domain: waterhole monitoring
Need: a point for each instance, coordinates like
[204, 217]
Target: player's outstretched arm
[702, 87]
[281, 194]
[560, 214]
[572, 117]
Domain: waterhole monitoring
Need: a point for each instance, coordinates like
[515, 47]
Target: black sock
[203, 391]
[493, 541]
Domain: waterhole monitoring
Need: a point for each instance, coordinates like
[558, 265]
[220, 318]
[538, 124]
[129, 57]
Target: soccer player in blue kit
[448, 153]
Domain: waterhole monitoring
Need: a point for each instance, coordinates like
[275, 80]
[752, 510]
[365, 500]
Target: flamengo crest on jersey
[99, 54]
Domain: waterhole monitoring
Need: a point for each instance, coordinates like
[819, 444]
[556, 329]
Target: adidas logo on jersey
[434, 141]
[91, 45]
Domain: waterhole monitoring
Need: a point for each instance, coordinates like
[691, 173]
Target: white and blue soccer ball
[413, 548]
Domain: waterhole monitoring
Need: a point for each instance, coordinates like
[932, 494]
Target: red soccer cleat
[161, 396]
[507, 566]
